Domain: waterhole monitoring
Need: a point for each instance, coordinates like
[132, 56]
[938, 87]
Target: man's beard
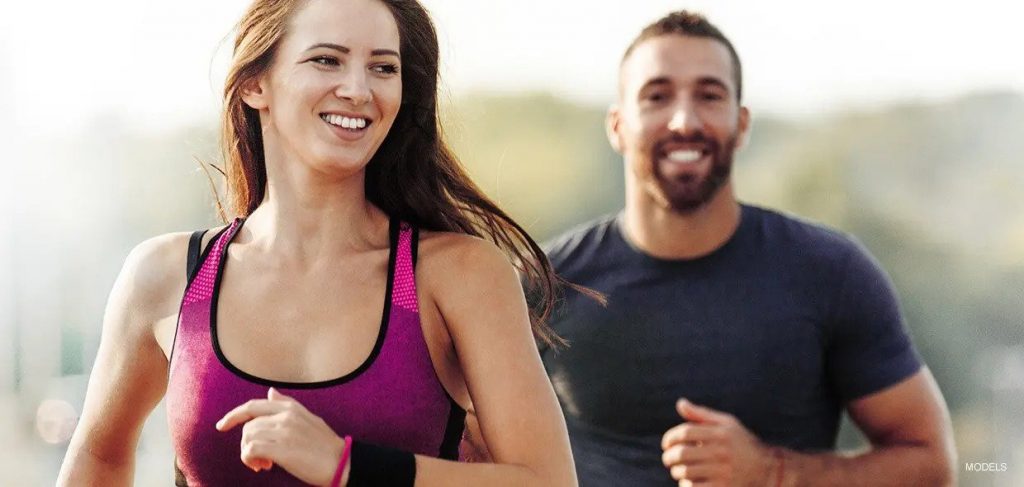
[689, 193]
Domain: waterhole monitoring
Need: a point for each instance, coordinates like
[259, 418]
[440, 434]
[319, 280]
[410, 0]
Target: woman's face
[334, 87]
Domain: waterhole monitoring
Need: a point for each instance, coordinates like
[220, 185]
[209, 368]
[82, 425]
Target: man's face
[678, 121]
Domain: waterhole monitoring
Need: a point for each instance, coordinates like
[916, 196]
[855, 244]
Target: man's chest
[731, 344]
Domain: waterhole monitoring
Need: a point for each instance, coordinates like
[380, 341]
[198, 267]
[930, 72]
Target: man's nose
[684, 119]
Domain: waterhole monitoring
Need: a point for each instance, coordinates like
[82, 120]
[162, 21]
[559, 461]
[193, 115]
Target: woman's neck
[307, 216]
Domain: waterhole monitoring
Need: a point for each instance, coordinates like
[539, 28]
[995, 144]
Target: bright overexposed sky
[66, 64]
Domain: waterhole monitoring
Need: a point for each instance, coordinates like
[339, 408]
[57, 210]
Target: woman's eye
[385, 69]
[325, 61]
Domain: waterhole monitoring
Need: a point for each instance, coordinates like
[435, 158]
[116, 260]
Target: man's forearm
[896, 465]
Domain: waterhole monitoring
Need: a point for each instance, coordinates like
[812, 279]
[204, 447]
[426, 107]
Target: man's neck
[667, 234]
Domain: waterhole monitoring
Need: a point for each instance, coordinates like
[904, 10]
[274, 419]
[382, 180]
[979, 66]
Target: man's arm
[911, 442]
[908, 426]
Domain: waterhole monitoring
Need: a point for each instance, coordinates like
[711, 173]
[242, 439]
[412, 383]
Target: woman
[283, 368]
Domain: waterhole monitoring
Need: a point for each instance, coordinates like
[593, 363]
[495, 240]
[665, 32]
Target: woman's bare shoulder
[454, 267]
[154, 273]
[460, 253]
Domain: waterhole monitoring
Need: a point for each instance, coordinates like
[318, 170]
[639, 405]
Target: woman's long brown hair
[414, 175]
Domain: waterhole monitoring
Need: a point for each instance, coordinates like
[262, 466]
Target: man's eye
[654, 97]
[711, 96]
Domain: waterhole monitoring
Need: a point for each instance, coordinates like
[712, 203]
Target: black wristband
[378, 466]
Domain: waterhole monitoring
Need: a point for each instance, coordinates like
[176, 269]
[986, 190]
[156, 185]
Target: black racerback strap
[195, 243]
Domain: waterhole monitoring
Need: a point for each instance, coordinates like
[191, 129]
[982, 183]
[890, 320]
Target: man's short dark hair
[689, 24]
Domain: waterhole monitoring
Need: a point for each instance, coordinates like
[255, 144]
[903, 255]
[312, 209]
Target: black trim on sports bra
[415, 246]
[192, 258]
[192, 266]
[192, 272]
[453, 431]
[456, 415]
[385, 318]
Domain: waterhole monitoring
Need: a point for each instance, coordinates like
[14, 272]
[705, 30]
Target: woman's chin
[342, 168]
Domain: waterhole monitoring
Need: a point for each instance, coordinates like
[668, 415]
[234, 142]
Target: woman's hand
[280, 430]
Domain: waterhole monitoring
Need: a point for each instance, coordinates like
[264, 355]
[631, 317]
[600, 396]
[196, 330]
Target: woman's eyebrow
[346, 50]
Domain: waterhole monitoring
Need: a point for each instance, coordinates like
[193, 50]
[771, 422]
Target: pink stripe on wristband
[336, 481]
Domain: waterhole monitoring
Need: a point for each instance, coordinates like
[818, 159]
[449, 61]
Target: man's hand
[712, 448]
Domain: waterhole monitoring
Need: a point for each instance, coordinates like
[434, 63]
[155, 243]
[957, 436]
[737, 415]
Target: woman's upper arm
[130, 373]
[481, 301]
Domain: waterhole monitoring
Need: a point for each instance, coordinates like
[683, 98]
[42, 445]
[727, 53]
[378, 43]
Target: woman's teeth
[345, 122]
[685, 156]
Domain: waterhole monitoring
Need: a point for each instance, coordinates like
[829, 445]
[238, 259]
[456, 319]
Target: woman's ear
[254, 94]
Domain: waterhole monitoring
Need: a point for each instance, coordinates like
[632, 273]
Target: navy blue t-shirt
[780, 327]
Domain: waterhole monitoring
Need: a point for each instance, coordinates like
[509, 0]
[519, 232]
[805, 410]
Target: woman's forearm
[83, 468]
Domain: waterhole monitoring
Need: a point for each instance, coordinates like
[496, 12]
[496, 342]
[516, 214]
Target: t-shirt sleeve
[869, 346]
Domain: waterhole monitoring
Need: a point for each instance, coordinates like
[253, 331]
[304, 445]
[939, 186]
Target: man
[734, 336]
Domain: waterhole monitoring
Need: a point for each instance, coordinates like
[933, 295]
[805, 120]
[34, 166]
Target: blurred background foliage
[932, 189]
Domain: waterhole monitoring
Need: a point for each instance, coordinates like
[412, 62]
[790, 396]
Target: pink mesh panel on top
[202, 286]
[404, 292]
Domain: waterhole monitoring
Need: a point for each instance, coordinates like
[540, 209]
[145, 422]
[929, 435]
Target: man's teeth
[344, 122]
[684, 155]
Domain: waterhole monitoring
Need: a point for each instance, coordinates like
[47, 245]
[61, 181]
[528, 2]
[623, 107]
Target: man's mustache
[694, 138]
